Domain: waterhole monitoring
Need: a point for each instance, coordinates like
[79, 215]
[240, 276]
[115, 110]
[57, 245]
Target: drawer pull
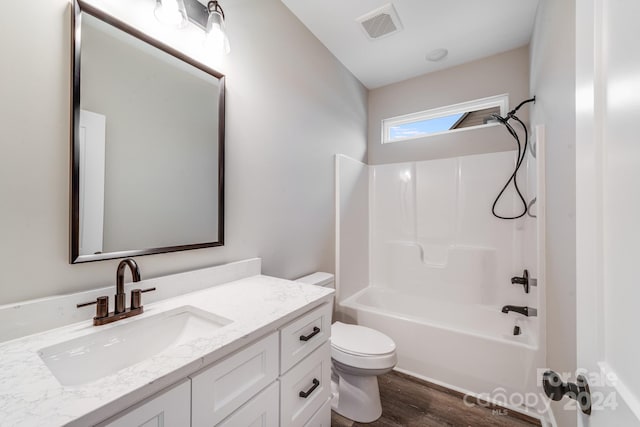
[306, 394]
[315, 332]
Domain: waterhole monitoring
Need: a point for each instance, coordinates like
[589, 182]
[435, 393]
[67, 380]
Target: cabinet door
[300, 337]
[306, 387]
[219, 390]
[261, 411]
[168, 409]
[322, 418]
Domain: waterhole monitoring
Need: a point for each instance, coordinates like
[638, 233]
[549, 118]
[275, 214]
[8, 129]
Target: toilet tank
[318, 279]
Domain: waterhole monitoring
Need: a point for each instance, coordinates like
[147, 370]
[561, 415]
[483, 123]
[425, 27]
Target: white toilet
[358, 356]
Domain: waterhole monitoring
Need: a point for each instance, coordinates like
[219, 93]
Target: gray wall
[290, 106]
[553, 83]
[503, 73]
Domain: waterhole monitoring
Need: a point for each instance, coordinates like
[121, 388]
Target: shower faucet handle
[525, 281]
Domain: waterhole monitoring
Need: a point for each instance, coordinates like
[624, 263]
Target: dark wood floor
[410, 402]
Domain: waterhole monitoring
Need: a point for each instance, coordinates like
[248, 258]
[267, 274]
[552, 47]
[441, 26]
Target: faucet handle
[102, 306]
[136, 299]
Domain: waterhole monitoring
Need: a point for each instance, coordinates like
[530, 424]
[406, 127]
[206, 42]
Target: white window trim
[501, 101]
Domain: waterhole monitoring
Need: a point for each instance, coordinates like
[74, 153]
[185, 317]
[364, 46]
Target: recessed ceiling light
[437, 55]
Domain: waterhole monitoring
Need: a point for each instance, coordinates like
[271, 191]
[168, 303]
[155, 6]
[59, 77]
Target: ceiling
[469, 29]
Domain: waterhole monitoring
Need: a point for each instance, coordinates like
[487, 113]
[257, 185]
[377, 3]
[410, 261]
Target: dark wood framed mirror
[147, 144]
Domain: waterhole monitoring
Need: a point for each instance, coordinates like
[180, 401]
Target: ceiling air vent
[381, 22]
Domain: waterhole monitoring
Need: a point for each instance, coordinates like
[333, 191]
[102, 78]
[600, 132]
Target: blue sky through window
[422, 128]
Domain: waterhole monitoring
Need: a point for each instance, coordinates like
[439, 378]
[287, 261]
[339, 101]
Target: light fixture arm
[214, 6]
[209, 18]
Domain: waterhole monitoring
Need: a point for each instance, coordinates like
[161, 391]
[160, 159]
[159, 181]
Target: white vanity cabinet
[282, 379]
[305, 368]
[261, 411]
[217, 391]
[306, 388]
[171, 407]
[303, 335]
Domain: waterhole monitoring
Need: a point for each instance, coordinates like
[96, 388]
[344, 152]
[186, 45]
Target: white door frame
[613, 403]
[92, 179]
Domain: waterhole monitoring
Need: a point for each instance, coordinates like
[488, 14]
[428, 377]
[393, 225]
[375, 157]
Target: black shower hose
[522, 152]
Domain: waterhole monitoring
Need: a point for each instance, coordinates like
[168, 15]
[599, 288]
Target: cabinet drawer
[310, 377]
[300, 337]
[168, 408]
[222, 388]
[261, 411]
[322, 418]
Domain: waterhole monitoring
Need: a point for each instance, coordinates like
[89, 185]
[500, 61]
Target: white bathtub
[470, 348]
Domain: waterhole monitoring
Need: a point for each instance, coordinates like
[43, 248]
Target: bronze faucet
[120, 295]
[120, 311]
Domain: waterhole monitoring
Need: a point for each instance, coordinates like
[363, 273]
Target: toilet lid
[360, 340]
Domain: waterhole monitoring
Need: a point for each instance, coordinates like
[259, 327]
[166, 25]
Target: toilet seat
[362, 347]
[386, 361]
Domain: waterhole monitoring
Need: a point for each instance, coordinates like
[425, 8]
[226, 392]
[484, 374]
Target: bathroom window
[452, 118]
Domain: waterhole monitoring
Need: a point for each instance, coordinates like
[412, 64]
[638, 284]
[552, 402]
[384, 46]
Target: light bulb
[171, 13]
[216, 38]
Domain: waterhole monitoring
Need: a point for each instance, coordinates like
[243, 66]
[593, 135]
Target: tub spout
[525, 311]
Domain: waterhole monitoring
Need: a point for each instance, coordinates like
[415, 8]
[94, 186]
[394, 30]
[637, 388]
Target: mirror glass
[148, 145]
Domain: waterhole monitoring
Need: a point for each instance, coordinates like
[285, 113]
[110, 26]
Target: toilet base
[356, 397]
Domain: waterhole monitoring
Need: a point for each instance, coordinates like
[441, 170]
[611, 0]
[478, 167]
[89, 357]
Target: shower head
[494, 118]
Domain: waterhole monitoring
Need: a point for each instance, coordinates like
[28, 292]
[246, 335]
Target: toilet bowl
[358, 355]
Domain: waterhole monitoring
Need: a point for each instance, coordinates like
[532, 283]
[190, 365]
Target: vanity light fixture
[216, 33]
[209, 18]
[171, 13]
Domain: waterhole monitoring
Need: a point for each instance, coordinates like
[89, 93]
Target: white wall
[290, 106]
[552, 78]
[503, 73]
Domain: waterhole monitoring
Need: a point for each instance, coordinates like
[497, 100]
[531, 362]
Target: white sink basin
[97, 355]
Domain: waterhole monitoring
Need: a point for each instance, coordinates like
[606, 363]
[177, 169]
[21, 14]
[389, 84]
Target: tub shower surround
[440, 266]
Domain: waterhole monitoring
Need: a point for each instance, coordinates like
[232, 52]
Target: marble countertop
[31, 396]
